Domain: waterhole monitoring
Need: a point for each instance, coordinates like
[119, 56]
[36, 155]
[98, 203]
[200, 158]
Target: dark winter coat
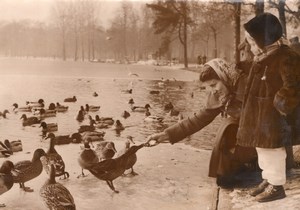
[271, 114]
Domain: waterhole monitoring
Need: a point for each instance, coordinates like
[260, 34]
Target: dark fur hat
[265, 29]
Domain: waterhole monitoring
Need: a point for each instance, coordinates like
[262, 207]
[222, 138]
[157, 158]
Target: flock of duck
[99, 161]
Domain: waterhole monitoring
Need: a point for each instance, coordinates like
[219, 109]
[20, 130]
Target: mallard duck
[61, 108]
[27, 121]
[110, 169]
[105, 150]
[95, 94]
[28, 169]
[55, 195]
[3, 114]
[5, 150]
[87, 157]
[132, 158]
[154, 92]
[76, 138]
[153, 118]
[90, 108]
[6, 145]
[73, 99]
[107, 120]
[16, 146]
[147, 113]
[131, 101]
[84, 128]
[63, 139]
[34, 104]
[42, 113]
[48, 127]
[118, 126]
[52, 106]
[52, 157]
[129, 91]
[6, 178]
[80, 116]
[174, 112]
[125, 114]
[93, 133]
[140, 108]
[21, 109]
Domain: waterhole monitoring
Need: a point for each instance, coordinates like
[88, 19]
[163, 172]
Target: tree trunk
[259, 7]
[63, 45]
[281, 12]
[82, 47]
[237, 30]
[215, 40]
[185, 53]
[76, 46]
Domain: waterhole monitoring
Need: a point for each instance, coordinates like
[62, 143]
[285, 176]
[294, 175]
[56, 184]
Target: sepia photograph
[149, 104]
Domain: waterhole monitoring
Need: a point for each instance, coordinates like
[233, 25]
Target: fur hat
[265, 29]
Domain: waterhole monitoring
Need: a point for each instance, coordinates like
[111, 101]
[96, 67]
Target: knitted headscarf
[228, 74]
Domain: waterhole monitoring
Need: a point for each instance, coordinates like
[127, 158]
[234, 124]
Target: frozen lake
[170, 176]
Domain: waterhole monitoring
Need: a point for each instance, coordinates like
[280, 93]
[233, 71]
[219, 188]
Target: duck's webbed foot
[82, 174]
[133, 173]
[111, 186]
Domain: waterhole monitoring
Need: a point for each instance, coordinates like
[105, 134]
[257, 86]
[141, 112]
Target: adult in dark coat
[225, 86]
[270, 113]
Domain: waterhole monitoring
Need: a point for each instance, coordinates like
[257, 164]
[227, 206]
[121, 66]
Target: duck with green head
[28, 121]
[27, 170]
[52, 157]
[55, 195]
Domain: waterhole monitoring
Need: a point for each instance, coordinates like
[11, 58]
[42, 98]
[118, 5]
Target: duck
[174, 112]
[52, 106]
[107, 120]
[154, 92]
[6, 178]
[42, 113]
[52, 157]
[93, 133]
[48, 127]
[153, 118]
[73, 99]
[5, 151]
[105, 150]
[16, 146]
[55, 195]
[87, 157]
[91, 108]
[27, 121]
[118, 126]
[3, 114]
[61, 108]
[36, 104]
[27, 170]
[84, 128]
[147, 113]
[80, 116]
[110, 169]
[63, 139]
[76, 137]
[21, 109]
[131, 101]
[140, 108]
[129, 91]
[125, 114]
[95, 94]
[131, 159]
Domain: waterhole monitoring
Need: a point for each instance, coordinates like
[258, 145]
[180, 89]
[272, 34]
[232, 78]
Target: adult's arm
[191, 125]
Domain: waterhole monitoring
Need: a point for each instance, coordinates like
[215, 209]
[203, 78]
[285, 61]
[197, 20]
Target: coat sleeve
[191, 125]
[288, 96]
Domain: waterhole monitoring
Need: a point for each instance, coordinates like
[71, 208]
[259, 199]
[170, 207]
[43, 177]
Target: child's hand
[156, 139]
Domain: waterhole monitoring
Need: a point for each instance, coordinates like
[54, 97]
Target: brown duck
[132, 158]
[52, 157]
[55, 195]
[28, 169]
[110, 169]
[87, 157]
[6, 179]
